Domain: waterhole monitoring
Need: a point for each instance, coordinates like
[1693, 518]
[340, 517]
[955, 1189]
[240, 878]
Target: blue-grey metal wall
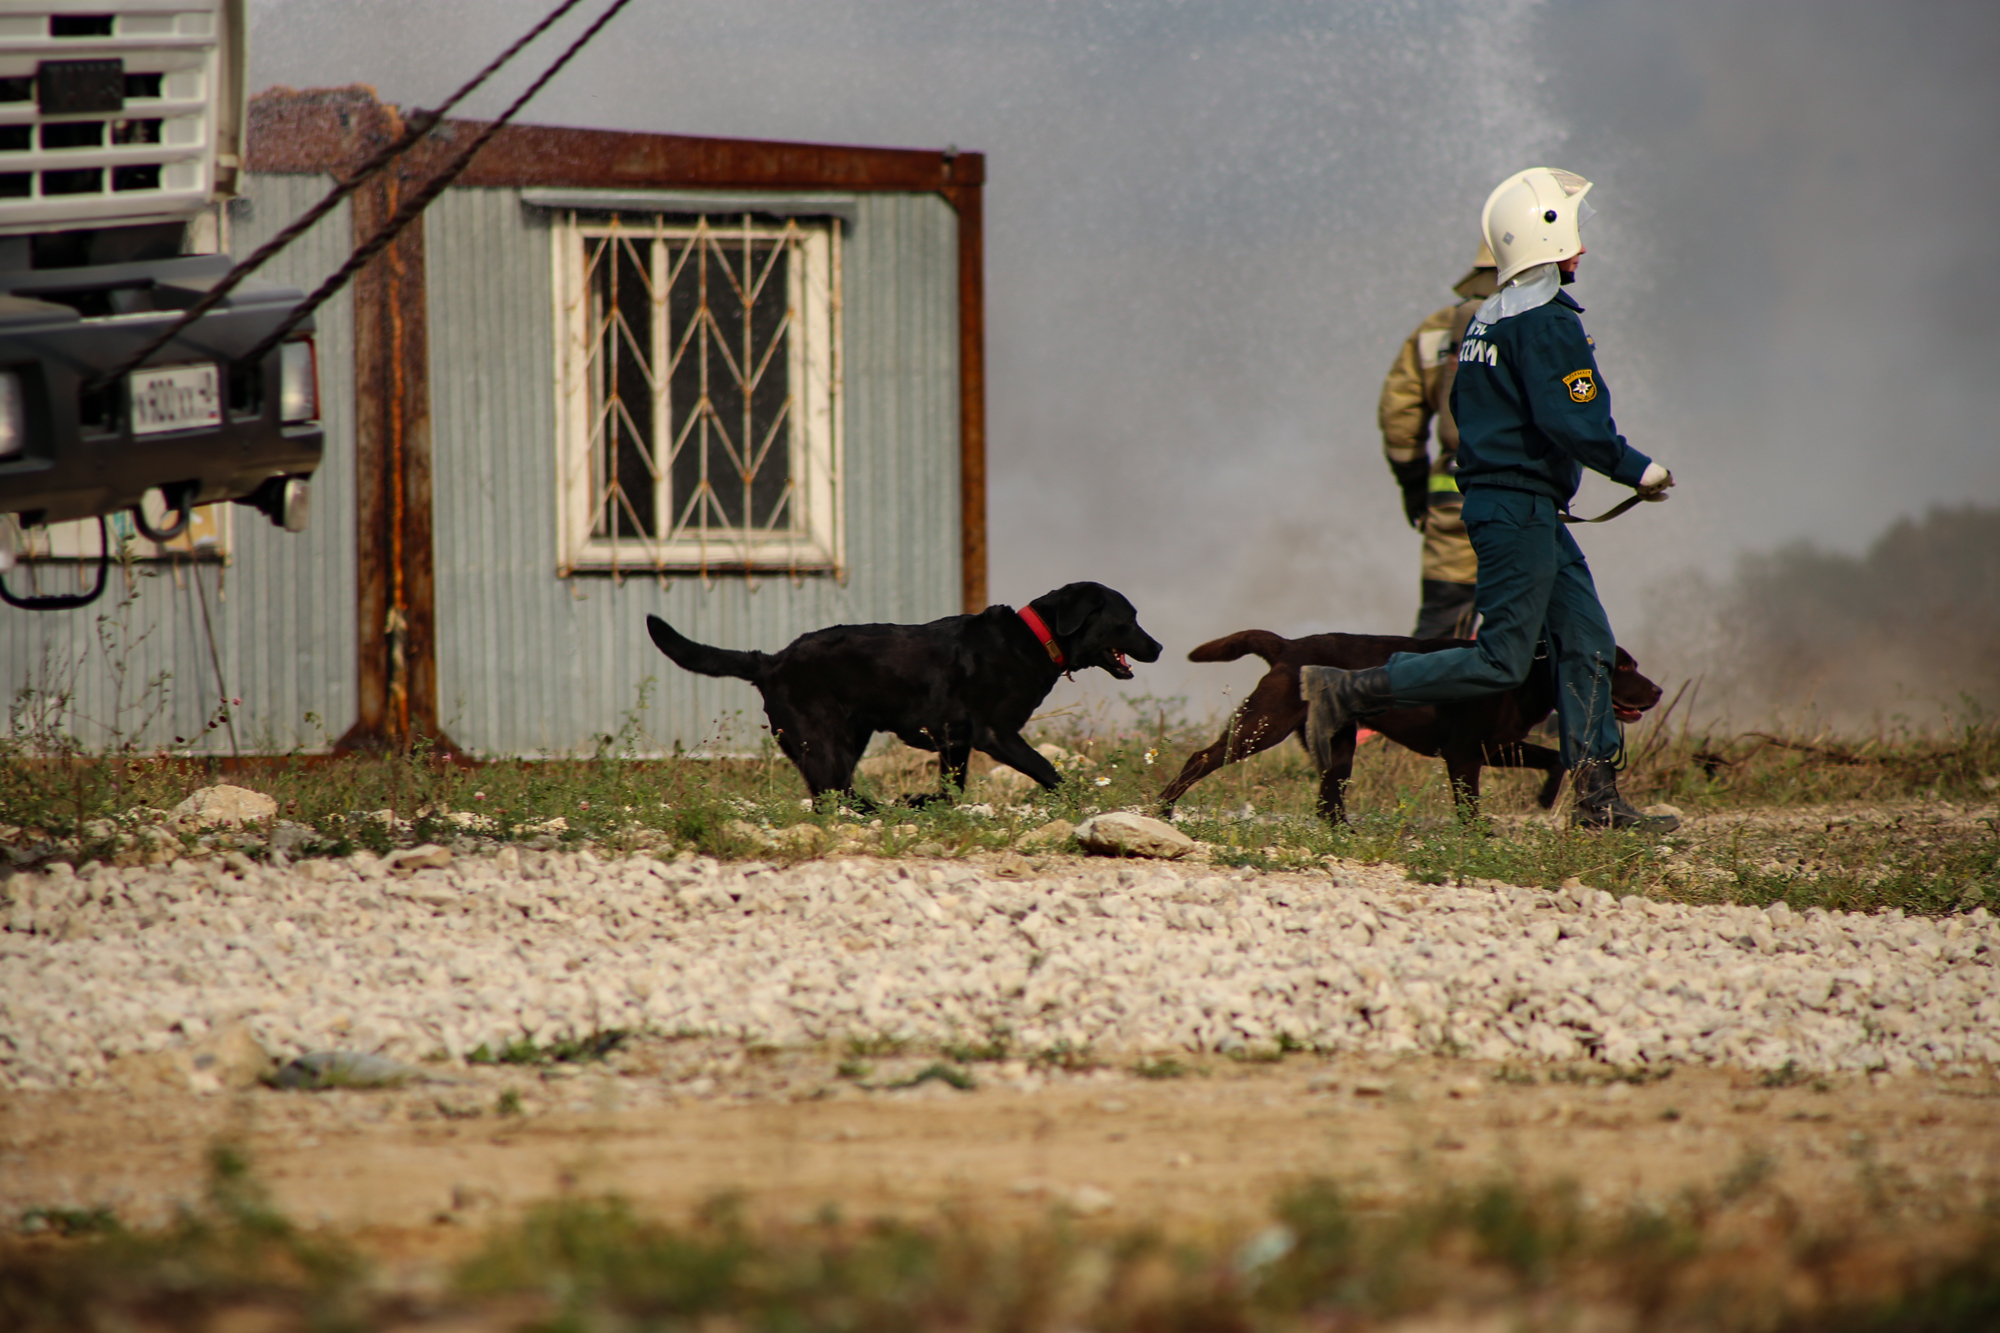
[282, 611]
[532, 664]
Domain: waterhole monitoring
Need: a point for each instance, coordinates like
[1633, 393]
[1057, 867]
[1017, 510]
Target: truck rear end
[121, 135]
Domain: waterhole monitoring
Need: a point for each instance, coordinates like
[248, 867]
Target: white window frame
[812, 540]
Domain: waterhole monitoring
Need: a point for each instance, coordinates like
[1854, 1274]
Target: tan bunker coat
[1417, 393]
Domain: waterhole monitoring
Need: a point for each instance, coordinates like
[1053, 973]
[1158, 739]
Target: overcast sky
[1210, 223]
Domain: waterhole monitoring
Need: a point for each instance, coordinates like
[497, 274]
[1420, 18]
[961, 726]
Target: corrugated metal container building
[731, 383]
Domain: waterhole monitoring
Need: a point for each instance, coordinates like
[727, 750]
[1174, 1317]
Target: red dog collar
[1034, 622]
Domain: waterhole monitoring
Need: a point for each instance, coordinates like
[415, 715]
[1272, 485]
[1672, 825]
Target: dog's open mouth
[1119, 666]
[1627, 714]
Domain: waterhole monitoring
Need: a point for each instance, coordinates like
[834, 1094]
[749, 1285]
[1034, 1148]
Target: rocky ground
[1144, 1040]
[122, 975]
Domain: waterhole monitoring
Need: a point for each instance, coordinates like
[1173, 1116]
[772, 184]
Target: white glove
[1654, 481]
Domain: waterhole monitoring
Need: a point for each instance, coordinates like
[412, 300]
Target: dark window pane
[145, 176]
[771, 465]
[136, 86]
[16, 184]
[687, 342]
[16, 138]
[727, 310]
[18, 88]
[622, 320]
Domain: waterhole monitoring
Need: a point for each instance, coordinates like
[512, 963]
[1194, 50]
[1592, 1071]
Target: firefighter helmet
[1532, 218]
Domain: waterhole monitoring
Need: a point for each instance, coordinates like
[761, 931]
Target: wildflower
[236, 703]
[1104, 782]
[1151, 755]
[479, 796]
[583, 805]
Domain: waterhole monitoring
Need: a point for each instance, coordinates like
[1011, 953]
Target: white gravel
[1125, 957]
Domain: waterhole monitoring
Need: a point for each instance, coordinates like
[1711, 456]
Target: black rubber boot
[1598, 804]
[1334, 698]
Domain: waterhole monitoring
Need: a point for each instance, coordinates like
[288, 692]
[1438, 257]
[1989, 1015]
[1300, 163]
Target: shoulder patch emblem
[1582, 385]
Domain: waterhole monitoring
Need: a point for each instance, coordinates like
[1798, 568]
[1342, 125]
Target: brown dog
[1469, 734]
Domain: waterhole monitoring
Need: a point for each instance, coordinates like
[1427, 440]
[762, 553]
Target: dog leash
[1617, 509]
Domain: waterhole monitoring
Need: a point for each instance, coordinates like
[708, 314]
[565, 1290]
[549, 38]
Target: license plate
[175, 398]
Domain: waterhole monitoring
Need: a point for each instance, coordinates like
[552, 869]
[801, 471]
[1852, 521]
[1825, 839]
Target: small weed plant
[1737, 1257]
[1903, 818]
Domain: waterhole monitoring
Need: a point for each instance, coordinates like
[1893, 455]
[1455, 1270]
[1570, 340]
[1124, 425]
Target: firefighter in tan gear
[1416, 393]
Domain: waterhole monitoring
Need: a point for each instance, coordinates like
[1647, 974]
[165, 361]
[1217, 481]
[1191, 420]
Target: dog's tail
[1232, 646]
[702, 659]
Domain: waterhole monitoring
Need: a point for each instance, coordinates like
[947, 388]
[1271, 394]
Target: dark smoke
[1908, 631]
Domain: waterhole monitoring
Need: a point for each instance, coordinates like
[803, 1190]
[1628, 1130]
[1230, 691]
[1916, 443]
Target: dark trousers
[1447, 611]
[1533, 584]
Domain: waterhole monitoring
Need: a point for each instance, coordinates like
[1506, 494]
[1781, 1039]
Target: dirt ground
[420, 1173]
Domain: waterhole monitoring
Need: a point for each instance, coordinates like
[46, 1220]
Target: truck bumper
[60, 332]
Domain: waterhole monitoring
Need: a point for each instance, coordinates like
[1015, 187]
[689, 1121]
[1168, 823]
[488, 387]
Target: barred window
[700, 374]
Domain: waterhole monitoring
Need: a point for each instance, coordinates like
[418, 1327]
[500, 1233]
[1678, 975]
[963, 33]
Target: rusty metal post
[395, 608]
[966, 198]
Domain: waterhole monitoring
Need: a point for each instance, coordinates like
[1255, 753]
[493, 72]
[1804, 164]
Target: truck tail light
[298, 382]
[13, 415]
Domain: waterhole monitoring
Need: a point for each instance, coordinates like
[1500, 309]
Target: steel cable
[413, 207]
[418, 125]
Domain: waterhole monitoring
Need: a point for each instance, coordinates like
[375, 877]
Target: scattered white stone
[318, 1071]
[224, 805]
[1090, 1200]
[1050, 835]
[1122, 833]
[1064, 760]
[148, 976]
[430, 856]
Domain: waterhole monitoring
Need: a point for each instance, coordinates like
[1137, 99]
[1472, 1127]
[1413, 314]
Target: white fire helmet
[1532, 218]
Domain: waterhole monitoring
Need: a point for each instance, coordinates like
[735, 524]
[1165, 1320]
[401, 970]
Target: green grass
[68, 1222]
[997, 1046]
[232, 1252]
[524, 1050]
[1794, 817]
[1739, 1255]
[939, 1072]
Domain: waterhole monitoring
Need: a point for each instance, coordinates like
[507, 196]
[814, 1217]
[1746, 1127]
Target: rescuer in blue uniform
[1532, 413]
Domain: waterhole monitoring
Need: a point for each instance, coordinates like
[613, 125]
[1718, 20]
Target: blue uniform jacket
[1532, 410]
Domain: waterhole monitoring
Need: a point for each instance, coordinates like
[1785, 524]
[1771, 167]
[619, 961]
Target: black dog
[956, 685]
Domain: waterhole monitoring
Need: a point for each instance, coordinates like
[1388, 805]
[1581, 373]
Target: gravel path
[106, 967]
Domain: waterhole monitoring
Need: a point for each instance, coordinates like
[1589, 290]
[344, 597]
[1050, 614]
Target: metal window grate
[702, 395]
